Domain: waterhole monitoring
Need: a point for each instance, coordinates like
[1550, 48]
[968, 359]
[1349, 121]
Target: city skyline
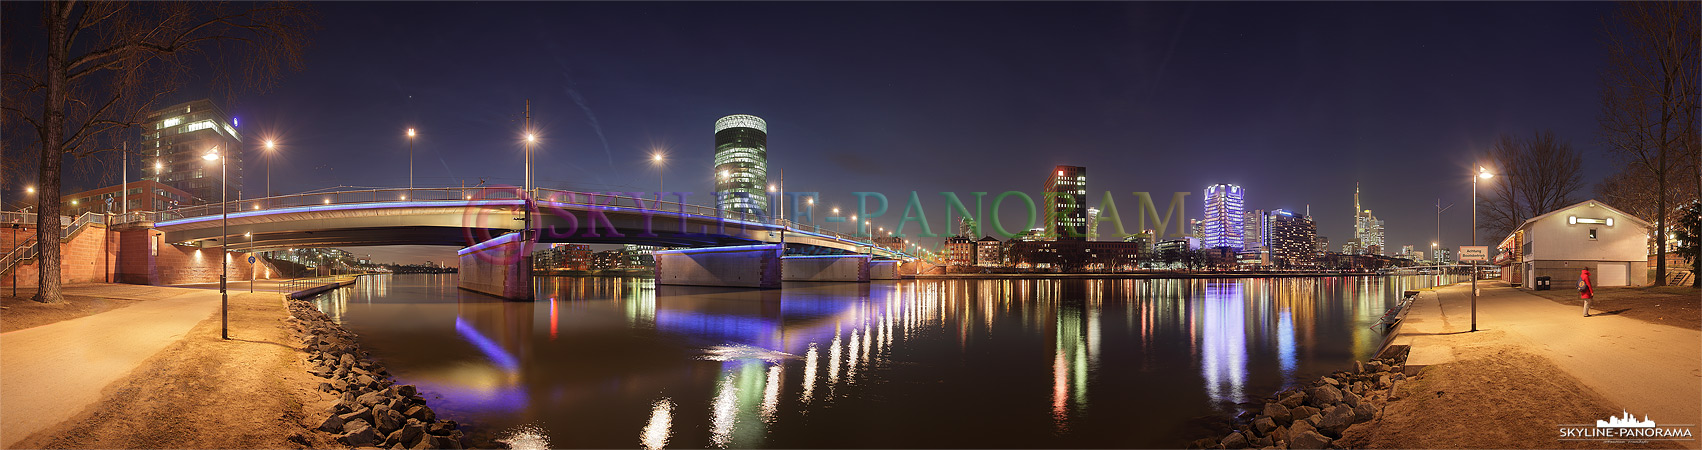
[602, 106]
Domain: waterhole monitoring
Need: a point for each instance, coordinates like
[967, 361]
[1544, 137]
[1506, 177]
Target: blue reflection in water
[1224, 359]
[491, 350]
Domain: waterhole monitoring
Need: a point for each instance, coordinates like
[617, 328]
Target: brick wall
[135, 256]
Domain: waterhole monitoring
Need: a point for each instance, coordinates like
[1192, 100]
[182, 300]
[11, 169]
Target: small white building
[1589, 235]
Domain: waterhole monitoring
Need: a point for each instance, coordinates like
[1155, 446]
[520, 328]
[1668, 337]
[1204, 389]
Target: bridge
[497, 227]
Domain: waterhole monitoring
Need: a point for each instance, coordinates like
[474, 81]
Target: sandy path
[49, 373]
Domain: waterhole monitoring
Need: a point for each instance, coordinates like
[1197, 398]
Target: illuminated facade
[1066, 203]
[741, 164]
[1255, 231]
[174, 141]
[1291, 238]
[1223, 225]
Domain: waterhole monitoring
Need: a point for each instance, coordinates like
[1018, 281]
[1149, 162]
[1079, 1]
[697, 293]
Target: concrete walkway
[1647, 369]
[52, 372]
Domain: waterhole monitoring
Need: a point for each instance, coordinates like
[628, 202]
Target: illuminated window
[172, 122]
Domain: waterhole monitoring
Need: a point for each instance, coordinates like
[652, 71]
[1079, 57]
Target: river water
[620, 362]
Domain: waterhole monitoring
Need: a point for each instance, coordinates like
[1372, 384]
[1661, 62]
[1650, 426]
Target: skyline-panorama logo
[1626, 428]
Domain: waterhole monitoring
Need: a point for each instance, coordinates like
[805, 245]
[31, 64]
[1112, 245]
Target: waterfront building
[634, 256]
[1613, 245]
[1291, 238]
[1143, 241]
[1093, 224]
[563, 257]
[145, 195]
[1075, 255]
[741, 164]
[960, 251]
[175, 141]
[1255, 231]
[989, 252]
[1440, 255]
[606, 260]
[894, 243]
[1323, 244]
[1065, 203]
[1223, 227]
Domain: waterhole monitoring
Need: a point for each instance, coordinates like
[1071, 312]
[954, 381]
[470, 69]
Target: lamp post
[836, 223]
[270, 146]
[224, 246]
[1482, 174]
[410, 160]
[661, 164]
[250, 236]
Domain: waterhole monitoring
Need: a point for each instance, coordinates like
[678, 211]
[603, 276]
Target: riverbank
[192, 390]
[1132, 275]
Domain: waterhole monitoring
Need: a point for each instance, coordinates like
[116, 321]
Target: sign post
[1475, 254]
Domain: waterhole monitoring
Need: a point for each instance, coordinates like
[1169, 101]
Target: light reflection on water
[962, 363]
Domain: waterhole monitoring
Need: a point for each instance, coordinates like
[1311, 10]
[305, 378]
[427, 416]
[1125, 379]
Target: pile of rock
[372, 411]
[1315, 416]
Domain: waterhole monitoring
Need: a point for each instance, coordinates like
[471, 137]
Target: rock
[1364, 412]
[1303, 412]
[366, 381]
[1278, 413]
[1324, 397]
[1202, 443]
[407, 390]
[370, 398]
[346, 359]
[325, 387]
[421, 412]
[320, 371]
[1332, 381]
[1299, 427]
[1358, 367]
[358, 434]
[449, 442]
[386, 419]
[441, 428]
[1279, 435]
[1293, 400]
[1264, 425]
[363, 414]
[1309, 440]
[1383, 381]
[340, 385]
[1350, 399]
[332, 424]
[1234, 440]
[1336, 420]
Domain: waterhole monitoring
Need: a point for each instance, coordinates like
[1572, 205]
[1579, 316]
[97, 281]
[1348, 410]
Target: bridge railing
[588, 199]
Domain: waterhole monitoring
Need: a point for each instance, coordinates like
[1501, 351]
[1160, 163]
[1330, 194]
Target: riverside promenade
[1644, 368]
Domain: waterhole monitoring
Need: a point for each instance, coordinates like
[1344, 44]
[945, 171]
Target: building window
[1592, 234]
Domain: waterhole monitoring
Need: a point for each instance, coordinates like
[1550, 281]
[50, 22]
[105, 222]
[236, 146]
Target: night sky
[1296, 102]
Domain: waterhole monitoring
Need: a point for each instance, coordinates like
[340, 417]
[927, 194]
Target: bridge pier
[755, 266]
[827, 268]
[883, 269]
[501, 267]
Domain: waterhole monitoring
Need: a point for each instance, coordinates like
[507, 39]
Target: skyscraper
[1292, 238]
[1367, 230]
[741, 164]
[1066, 203]
[1224, 217]
[1255, 231]
[175, 141]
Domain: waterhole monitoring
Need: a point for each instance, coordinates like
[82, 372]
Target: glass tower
[1225, 219]
[175, 139]
[741, 164]
[1065, 204]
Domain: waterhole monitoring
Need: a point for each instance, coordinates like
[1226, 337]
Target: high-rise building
[1093, 224]
[1066, 203]
[1223, 217]
[1292, 238]
[175, 141]
[1255, 231]
[1367, 230]
[741, 164]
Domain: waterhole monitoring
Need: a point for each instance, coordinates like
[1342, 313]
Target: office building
[1292, 237]
[1367, 230]
[741, 164]
[1255, 231]
[989, 252]
[1065, 203]
[1222, 227]
[960, 251]
[175, 141]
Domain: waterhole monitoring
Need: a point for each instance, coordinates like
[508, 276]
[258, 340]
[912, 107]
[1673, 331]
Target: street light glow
[270, 144]
[1484, 173]
[531, 137]
[410, 133]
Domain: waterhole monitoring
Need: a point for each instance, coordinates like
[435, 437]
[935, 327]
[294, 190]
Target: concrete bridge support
[499, 267]
[755, 266]
[827, 268]
[883, 269]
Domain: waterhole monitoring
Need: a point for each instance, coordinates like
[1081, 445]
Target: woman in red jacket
[1586, 290]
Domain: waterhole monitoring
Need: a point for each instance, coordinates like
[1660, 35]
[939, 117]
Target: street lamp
[250, 236]
[1482, 174]
[270, 146]
[224, 245]
[656, 159]
[410, 159]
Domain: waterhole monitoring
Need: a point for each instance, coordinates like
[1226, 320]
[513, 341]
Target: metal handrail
[463, 194]
[29, 250]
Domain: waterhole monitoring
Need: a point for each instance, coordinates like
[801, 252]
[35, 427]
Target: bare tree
[1535, 175]
[1649, 105]
[96, 68]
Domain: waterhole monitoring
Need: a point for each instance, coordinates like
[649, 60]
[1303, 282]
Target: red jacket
[1586, 289]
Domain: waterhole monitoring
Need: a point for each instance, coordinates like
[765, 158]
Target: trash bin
[1542, 283]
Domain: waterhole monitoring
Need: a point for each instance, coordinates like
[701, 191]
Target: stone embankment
[1315, 416]
[371, 410]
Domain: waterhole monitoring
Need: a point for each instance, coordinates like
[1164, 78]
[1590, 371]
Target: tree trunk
[47, 229]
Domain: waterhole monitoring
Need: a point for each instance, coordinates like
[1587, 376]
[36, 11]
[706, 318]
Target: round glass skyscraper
[741, 164]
